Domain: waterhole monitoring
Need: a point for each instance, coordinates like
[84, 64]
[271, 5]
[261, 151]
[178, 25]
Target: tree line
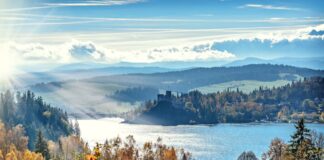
[303, 98]
[35, 115]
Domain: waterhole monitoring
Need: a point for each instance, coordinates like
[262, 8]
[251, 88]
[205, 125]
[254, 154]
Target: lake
[221, 141]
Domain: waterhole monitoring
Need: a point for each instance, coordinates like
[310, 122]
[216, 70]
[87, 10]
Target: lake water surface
[221, 141]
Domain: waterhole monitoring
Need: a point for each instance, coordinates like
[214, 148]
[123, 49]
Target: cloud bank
[306, 42]
[77, 51]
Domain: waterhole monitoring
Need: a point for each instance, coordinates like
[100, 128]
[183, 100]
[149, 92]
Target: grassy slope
[245, 86]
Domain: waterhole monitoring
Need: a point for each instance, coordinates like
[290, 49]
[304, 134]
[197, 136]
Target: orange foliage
[13, 144]
[114, 150]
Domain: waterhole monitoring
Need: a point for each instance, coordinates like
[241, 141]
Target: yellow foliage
[28, 155]
[113, 150]
[170, 154]
[47, 114]
[11, 156]
[91, 157]
[1, 156]
[13, 144]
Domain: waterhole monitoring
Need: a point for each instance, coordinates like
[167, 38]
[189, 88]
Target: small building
[166, 97]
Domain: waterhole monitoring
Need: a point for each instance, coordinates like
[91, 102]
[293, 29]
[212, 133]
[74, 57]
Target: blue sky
[193, 14]
[113, 31]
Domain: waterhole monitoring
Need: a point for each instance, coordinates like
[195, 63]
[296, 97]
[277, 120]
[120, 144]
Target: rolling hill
[78, 71]
[185, 80]
[98, 93]
[310, 62]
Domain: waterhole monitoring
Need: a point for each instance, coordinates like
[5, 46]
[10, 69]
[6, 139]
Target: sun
[7, 65]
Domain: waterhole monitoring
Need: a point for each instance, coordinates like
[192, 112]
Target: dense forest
[34, 115]
[303, 98]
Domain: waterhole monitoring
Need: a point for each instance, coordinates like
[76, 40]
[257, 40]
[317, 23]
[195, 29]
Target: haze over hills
[81, 71]
[84, 70]
[307, 62]
[99, 91]
[187, 79]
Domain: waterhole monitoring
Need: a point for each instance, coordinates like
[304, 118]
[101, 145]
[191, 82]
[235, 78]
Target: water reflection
[222, 141]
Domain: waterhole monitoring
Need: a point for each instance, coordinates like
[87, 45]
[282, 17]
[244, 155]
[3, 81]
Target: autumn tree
[13, 144]
[276, 151]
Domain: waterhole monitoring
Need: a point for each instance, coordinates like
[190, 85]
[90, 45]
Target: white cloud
[95, 3]
[76, 51]
[57, 21]
[270, 7]
[186, 53]
[200, 49]
[76, 3]
[24, 9]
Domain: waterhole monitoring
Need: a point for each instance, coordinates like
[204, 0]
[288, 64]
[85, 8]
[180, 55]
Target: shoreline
[123, 121]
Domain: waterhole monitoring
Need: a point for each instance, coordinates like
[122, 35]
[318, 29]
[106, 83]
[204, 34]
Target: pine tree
[41, 146]
[77, 128]
[301, 146]
[302, 134]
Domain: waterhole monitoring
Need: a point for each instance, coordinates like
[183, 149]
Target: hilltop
[290, 102]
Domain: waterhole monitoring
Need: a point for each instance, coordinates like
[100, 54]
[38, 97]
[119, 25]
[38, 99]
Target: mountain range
[99, 93]
[313, 62]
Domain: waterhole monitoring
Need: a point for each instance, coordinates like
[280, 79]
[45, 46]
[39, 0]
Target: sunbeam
[8, 69]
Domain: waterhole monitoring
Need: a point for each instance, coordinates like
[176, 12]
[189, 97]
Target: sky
[149, 31]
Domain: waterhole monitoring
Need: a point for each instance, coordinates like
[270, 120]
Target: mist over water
[221, 141]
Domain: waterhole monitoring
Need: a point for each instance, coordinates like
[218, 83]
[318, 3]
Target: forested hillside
[136, 94]
[293, 101]
[34, 115]
[185, 80]
[114, 94]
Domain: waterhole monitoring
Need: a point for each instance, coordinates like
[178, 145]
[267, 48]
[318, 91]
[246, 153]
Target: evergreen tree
[247, 156]
[302, 134]
[301, 146]
[34, 114]
[77, 130]
[41, 146]
[7, 110]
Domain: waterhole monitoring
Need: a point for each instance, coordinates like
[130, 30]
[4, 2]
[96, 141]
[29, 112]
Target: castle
[166, 97]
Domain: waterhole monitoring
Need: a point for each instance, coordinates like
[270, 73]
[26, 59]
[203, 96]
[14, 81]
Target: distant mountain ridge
[74, 72]
[84, 70]
[103, 88]
[312, 63]
[188, 79]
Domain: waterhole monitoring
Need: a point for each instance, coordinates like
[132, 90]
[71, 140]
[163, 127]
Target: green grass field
[245, 86]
